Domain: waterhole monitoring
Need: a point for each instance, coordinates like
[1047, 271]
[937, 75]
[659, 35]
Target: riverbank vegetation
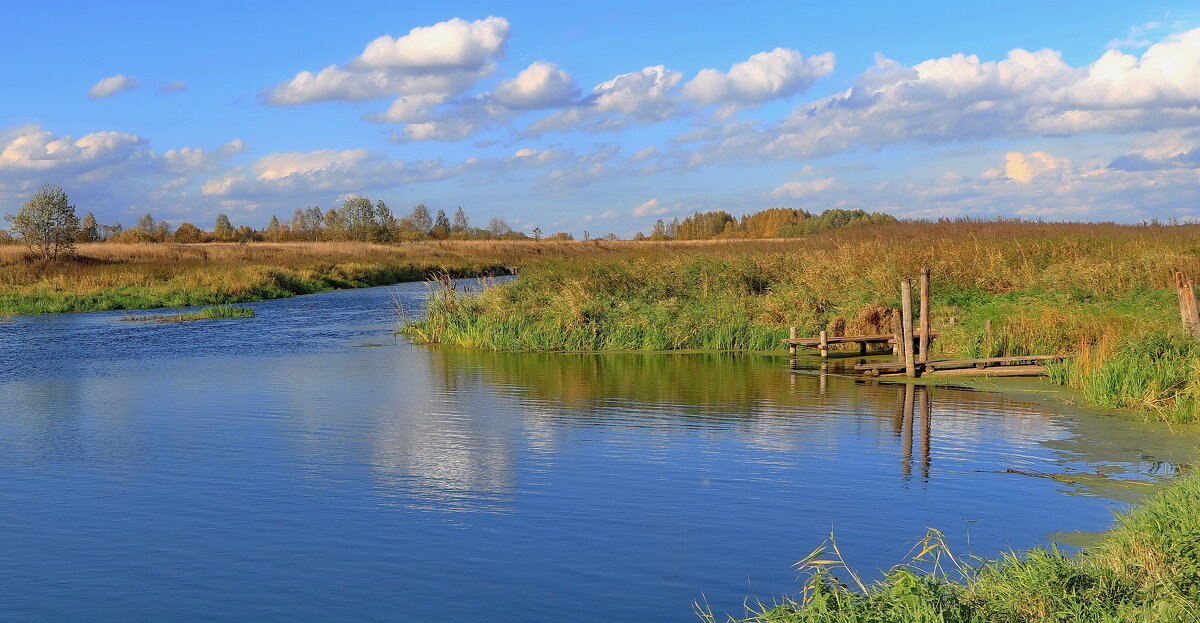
[219, 312]
[111, 276]
[1146, 570]
[1101, 290]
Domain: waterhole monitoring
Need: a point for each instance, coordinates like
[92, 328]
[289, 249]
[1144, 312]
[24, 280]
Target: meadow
[1100, 290]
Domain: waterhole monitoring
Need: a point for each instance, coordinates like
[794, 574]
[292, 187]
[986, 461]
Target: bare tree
[498, 227]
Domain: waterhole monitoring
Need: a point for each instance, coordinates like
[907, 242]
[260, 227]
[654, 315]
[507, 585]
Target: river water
[306, 464]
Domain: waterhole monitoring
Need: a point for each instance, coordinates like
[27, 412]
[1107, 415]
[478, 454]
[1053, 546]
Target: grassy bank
[146, 276]
[1147, 570]
[1102, 290]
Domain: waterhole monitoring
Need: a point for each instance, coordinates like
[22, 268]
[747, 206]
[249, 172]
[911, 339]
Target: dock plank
[941, 364]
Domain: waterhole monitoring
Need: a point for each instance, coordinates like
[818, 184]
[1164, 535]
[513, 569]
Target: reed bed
[1146, 570]
[1099, 289]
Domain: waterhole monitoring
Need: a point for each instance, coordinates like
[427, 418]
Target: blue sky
[604, 117]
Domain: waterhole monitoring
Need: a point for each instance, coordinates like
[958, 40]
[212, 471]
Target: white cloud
[429, 62]
[960, 98]
[30, 149]
[177, 86]
[1024, 167]
[638, 97]
[652, 207]
[111, 85]
[763, 77]
[796, 190]
[192, 160]
[541, 85]
[324, 171]
[452, 44]
[641, 94]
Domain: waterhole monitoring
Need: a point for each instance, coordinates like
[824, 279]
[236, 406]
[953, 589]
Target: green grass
[220, 312]
[1146, 570]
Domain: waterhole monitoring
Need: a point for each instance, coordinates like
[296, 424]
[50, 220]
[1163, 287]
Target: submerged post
[906, 323]
[924, 350]
[824, 344]
[792, 336]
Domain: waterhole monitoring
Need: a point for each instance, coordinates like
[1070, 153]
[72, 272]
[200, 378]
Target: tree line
[770, 223]
[48, 224]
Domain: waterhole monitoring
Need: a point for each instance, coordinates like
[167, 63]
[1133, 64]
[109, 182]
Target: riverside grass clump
[114, 276]
[219, 312]
[1102, 290]
[1146, 570]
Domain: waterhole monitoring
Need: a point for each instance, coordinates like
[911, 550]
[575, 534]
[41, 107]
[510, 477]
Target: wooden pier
[824, 341]
[909, 341]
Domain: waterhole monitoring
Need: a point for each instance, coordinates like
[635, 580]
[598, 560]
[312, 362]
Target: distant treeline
[771, 223]
[358, 219]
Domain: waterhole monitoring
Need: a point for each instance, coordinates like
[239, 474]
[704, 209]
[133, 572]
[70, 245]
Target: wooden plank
[906, 320]
[960, 363]
[883, 338]
[924, 335]
[1030, 370]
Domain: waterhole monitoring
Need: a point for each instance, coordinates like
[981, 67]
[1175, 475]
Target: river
[307, 464]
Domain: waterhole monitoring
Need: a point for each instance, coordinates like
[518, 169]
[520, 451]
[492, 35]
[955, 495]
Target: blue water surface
[308, 465]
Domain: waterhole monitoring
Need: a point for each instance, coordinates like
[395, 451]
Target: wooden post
[1189, 310]
[897, 336]
[1184, 316]
[792, 335]
[824, 344]
[862, 348]
[1193, 308]
[906, 323]
[924, 314]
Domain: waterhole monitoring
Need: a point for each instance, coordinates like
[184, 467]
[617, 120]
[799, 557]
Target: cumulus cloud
[637, 97]
[107, 87]
[761, 78]
[960, 98]
[541, 85]
[193, 160]
[1024, 167]
[101, 170]
[440, 60]
[452, 44]
[29, 149]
